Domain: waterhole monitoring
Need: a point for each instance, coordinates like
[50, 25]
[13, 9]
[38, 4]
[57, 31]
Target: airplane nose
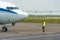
[26, 15]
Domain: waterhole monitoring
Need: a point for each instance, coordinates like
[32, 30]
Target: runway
[31, 31]
[33, 37]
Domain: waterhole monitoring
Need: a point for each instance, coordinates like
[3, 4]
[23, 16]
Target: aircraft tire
[4, 29]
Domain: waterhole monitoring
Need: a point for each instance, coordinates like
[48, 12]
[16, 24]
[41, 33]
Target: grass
[39, 20]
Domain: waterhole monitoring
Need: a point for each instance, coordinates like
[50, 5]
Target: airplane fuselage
[9, 18]
[10, 14]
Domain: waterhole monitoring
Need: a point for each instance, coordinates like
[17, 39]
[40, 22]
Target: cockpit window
[12, 8]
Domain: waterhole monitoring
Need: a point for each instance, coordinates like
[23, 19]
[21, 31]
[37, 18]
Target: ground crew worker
[43, 26]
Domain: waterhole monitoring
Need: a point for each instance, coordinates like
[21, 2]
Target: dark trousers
[43, 28]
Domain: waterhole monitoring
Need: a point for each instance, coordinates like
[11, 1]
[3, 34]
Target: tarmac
[31, 31]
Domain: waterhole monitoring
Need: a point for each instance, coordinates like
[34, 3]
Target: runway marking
[31, 37]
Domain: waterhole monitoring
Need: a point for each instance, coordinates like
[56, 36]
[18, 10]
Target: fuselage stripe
[6, 10]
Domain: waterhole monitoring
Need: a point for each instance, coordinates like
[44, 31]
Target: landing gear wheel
[4, 29]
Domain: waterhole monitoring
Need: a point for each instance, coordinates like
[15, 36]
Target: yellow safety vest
[44, 24]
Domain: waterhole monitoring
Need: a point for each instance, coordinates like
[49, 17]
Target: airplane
[10, 14]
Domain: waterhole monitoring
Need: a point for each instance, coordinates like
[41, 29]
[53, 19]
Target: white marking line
[31, 37]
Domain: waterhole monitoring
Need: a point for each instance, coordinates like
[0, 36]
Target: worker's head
[43, 22]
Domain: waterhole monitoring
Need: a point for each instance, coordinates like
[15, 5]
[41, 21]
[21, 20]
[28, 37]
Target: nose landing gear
[4, 29]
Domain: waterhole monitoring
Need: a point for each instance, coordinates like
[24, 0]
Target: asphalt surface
[31, 31]
[33, 37]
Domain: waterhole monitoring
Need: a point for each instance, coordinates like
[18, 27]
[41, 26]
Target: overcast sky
[36, 4]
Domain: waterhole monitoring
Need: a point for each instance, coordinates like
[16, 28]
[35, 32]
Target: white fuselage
[9, 13]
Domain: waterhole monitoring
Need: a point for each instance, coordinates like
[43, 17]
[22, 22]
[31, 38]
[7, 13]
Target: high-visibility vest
[44, 24]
